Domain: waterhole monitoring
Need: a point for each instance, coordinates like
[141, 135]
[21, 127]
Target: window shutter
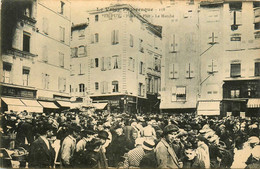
[113, 37]
[187, 70]
[119, 62]
[173, 94]
[92, 63]
[45, 53]
[17, 39]
[85, 50]
[102, 64]
[171, 67]
[133, 64]
[117, 36]
[92, 38]
[172, 43]
[109, 63]
[109, 89]
[144, 68]
[176, 71]
[243, 70]
[102, 87]
[105, 87]
[45, 25]
[209, 67]
[192, 72]
[43, 80]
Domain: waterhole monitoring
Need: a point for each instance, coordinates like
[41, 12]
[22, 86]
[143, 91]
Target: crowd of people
[102, 140]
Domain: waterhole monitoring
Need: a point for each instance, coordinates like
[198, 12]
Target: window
[213, 38]
[131, 41]
[189, 71]
[26, 72]
[131, 64]
[26, 42]
[81, 33]
[45, 25]
[235, 6]
[114, 37]
[157, 64]
[142, 68]
[172, 44]
[96, 38]
[70, 89]
[103, 64]
[82, 50]
[174, 71]
[62, 84]
[81, 68]
[96, 86]
[115, 86]
[62, 34]
[235, 70]
[141, 49]
[72, 69]
[74, 52]
[235, 37]
[257, 68]
[81, 88]
[212, 67]
[256, 4]
[61, 59]
[180, 93]
[62, 5]
[96, 18]
[141, 89]
[45, 53]
[257, 26]
[45, 80]
[235, 93]
[27, 12]
[7, 67]
[116, 61]
[156, 85]
[96, 62]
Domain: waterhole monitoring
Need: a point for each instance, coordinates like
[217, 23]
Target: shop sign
[114, 102]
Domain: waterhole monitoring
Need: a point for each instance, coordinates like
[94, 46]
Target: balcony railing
[20, 53]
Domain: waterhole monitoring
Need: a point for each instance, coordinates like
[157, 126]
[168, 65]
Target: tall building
[180, 68]
[232, 77]
[36, 54]
[123, 59]
[226, 58]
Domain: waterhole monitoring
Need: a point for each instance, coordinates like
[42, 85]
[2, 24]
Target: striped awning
[253, 103]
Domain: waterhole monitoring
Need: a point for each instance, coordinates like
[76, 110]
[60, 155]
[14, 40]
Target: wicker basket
[20, 157]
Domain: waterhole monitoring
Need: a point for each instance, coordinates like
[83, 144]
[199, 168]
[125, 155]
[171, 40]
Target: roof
[156, 29]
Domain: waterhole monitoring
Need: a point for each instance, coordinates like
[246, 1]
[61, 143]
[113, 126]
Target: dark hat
[103, 135]
[74, 127]
[170, 128]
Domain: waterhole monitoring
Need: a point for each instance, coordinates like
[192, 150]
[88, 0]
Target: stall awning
[32, 105]
[253, 103]
[14, 104]
[64, 104]
[208, 108]
[99, 106]
[49, 105]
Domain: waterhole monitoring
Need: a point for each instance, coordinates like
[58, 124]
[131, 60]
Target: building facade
[180, 69]
[226, 79]
[36, 57]
[123, 60]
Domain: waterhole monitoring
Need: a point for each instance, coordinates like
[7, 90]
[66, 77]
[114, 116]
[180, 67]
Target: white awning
[99, 106]
[75, 105]
[180, 90]
[208, 108]
[14, 104]
[253, 103]
[50, 105]
[32, 105]
[64, 104]
[12, 101]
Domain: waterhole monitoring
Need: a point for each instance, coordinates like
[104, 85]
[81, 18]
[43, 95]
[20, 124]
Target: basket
[21, 156]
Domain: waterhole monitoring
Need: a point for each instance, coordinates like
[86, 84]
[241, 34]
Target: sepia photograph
[130, 84]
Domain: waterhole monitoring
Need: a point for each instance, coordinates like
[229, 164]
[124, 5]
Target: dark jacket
[149, 160]
[39, 154]
[195, 163]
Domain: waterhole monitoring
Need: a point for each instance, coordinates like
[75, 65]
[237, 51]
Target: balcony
[19, 53]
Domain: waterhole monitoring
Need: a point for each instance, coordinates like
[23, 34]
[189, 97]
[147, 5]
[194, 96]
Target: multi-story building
[180, 68]
[123, 59]
[230, 69]
[35, 54]
[220, 35]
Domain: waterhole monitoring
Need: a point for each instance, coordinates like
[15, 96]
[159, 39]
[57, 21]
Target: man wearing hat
[134, 157]
[41, 154]
[68, 146]
[165, 154]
